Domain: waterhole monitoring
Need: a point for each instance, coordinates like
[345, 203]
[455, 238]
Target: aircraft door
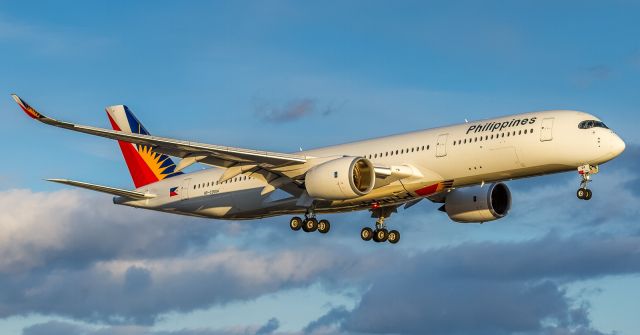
[441, 146]
[546, 132]
[186, 183]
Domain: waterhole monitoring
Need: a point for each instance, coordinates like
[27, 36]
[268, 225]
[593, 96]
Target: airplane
[462, 166]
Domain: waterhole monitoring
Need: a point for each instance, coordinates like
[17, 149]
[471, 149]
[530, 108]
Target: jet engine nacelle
[341, 179]
[478, 203]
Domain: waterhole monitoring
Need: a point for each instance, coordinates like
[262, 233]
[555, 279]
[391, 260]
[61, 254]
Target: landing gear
[324, 226]
[380, 234]
[394, 237]
[584, 193]
[585, 171]
[295, 223]
[309, 224]
[366, 234]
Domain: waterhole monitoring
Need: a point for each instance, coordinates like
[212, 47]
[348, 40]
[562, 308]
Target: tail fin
[145, 165]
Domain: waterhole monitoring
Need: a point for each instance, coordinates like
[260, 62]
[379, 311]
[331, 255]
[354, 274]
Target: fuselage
[498, 149]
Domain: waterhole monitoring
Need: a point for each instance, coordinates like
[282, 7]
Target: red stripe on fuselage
[431, 189]
[140, 171]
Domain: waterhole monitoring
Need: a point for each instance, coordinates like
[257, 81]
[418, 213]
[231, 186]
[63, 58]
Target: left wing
[239, 159]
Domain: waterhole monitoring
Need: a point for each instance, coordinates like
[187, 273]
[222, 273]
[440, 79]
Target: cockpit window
[592, 123]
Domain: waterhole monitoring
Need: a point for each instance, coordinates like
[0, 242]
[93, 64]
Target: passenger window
[427, 147]
[519, 132]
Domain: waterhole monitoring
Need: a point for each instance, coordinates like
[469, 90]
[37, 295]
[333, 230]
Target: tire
[588, 194]
[381, 235]
[310, 225]
[394, 237]
[581, 193]
[366, 234]
[295, 223]
[324, 226]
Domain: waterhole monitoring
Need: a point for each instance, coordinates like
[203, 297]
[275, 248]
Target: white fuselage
[499, 149]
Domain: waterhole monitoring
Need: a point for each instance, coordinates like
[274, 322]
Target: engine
[341, 179]
[478, 204]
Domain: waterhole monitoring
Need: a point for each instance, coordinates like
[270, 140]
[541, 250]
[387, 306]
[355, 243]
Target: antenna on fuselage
[466, 121]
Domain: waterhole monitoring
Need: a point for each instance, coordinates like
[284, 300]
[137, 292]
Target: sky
[285, 75]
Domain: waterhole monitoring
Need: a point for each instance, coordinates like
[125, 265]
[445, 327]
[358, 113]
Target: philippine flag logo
[173, 192]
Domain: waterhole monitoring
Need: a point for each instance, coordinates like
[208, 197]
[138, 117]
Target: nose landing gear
[585, 171]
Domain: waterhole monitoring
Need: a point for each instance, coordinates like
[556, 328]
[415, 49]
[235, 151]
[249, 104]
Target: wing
[238, 159]
[105, 189]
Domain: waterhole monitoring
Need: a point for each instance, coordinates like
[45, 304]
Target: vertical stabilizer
[145, 165]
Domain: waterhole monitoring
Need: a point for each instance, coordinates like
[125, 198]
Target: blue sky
[281, 75]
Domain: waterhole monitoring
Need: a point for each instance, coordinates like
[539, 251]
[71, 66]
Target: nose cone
[617, 145]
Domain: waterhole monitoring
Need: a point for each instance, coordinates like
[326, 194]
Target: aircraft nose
[617, 145]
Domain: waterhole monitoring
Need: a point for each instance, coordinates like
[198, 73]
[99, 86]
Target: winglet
[30, 111]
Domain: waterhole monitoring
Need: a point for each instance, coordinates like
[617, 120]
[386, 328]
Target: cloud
[272, 325]
[75, 229]
[291, 111]
[71, 255]
[489, 288]
[67, 328]
[328, 322]
[139, 291]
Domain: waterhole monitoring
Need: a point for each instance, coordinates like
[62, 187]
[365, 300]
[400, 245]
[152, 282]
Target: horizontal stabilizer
[105, 189]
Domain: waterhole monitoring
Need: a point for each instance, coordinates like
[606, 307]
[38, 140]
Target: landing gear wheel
[380, 235]
[324, 226]
[581, 194]
[366, 234]
[310, 225]
[394, 237]
[584, 193]
[295, 223]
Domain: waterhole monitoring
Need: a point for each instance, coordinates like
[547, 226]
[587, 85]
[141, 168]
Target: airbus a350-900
[462, 166]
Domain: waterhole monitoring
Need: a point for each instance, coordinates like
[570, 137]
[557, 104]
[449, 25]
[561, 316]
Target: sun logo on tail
[161, 166]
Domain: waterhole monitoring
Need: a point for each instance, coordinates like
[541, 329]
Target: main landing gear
[309, 224]
[585, 172]
[380, 234]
